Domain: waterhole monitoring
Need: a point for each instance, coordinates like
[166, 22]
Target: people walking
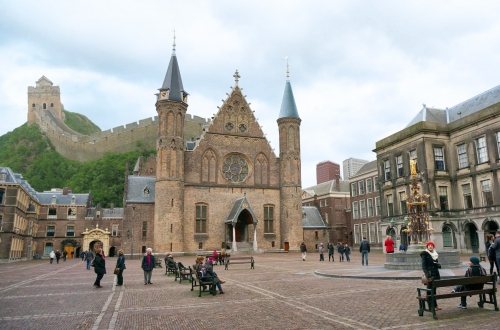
[364, 248]
[321, 251]
[64, 255]
[331, 249]
[120, 265]
[430, 267]
[496, 247]
[58, 256]
[347, 252]
[389, 244]
[340, 250]
[99, 265]
[490, 252]
[52, 256]
[89, 256]
[303, 250]
[147, 265]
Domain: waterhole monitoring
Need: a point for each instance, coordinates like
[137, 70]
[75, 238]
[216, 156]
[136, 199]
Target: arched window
[33, 105]
[45, 105]
[447, 236]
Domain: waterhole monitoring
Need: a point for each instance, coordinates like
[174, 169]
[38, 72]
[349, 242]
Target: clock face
[229, 126]
[243, 128]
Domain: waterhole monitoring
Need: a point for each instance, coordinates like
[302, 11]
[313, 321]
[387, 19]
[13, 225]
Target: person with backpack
[474, 269]
[364, 249]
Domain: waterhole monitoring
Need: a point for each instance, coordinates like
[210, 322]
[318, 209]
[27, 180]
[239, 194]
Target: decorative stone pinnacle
[237, 77]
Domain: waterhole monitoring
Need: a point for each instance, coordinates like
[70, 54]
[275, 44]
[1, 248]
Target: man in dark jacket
[99, 266]
[496, 247]
[364, 248]
[147, 265]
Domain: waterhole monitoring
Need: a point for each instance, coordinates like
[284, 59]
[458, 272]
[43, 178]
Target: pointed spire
[172, 84]
[237, 77]
[288, 107]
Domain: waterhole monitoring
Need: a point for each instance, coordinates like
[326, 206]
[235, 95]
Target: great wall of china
[46, 110]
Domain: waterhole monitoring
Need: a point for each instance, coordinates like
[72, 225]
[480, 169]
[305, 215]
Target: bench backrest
[464, 281]
[241, 258]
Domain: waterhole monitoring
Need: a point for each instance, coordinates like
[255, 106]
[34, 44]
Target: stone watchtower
[171, 106]
[43, 99]
[290, 177]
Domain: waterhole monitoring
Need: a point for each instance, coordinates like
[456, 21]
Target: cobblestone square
[281, 292]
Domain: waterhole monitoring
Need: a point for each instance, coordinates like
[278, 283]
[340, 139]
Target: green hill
[80, 123]
[28, 152]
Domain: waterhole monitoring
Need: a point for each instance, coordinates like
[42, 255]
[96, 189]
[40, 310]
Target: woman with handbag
[120, 267]
[430, 267]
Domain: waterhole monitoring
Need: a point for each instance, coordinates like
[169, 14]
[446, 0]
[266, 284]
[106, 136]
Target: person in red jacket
[389, 245]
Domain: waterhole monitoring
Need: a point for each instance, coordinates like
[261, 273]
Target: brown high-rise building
[327, 171]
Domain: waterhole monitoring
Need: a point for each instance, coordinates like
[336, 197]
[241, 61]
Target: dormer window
[3, 175]
[73, 200]
[146, 191]
[54, 199]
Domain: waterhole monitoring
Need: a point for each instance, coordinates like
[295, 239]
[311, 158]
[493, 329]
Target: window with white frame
[114, 230]
[467, 196]
[390, 205]
[268, 218]
[369, 207]
[402, 202]
[481, 150]
[70, 231]
[399, 166]
[357, 234]
[486, 192]
[362, 209]
[49, 247]
[463, 159]
[373, 232]
[354, 189]
[443, 198]
[369, 185]
[439, 158]
[361, 187]
[377, 206]
[364, 230]
[51, 231]
[387, 170]
[355, 210]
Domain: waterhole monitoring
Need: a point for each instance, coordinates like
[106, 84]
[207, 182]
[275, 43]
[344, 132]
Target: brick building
[226, 189]
[327, 171]
[365, 205]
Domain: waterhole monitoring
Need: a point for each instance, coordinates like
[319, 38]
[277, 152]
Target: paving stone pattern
[282, 292]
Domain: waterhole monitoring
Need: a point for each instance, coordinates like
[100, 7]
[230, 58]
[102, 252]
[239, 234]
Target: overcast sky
[360, 70]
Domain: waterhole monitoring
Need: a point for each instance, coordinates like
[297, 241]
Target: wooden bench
[183, 273]
[429, 297]
[239, 260]
[170, 267]
[207, 282]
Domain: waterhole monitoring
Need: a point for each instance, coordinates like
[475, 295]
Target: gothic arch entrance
[241, 224]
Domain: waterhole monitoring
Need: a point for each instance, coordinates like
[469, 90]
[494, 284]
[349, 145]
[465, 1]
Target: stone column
[480, 236]
[234, 248]
[255, 237]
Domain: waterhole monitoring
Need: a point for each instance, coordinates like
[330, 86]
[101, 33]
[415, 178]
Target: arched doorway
[490, 227]
[471, 238]
[90, 237]
[68, 246]
[449, 238]
[112, 251]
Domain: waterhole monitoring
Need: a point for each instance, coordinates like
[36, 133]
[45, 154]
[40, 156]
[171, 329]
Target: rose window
[235, 168]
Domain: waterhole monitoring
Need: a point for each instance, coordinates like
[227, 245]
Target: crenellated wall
[76, 146]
